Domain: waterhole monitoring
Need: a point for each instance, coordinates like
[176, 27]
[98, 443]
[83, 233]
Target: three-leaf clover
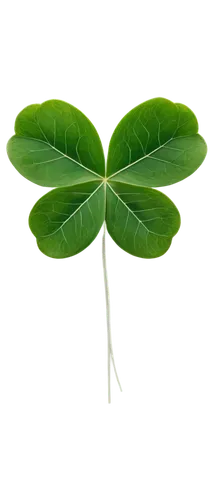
[155, 144]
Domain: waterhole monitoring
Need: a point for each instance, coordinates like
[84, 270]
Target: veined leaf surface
[155, 144]
[141, 220]
[66, 220]
[56, 145]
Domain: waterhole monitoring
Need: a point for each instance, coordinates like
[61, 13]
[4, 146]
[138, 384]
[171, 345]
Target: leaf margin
[174, 101]
[34, 238]
[38, 103]
[173, 238]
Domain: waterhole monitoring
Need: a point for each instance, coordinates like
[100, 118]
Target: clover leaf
[55, 145]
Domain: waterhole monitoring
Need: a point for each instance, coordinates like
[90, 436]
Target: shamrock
[155, 144]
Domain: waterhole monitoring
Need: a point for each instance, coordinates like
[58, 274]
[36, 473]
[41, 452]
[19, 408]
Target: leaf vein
[139, 220]
[77, 210]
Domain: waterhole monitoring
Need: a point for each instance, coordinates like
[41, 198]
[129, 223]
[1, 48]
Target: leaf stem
[109, 339]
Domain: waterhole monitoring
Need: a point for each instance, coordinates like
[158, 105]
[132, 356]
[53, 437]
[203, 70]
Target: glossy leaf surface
[56, 145]
[155, 144]
[66, 220]
[141, 220]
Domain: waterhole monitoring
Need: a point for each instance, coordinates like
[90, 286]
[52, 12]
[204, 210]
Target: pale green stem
[110, 349]
[107, 314]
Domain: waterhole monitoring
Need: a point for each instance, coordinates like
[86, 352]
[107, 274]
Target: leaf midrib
[139, 220]
[63, 154]
[149, 154]
[70, 216]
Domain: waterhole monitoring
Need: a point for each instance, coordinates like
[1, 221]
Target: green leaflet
[66, 220]
[140, 220]
[56, 145]
[155, 144]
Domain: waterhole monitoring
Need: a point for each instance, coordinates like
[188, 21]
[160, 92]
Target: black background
[54, 345]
